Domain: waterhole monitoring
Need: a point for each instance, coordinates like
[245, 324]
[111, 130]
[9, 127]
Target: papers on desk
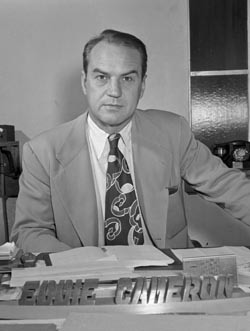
[139, 256]
[7, 251]
[128, 256]
[105, 263]
[81, 255]
[10, 294]
[241, 253]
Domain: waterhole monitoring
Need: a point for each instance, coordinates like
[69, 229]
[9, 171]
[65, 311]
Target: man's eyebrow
[131, 72]
[100, 71]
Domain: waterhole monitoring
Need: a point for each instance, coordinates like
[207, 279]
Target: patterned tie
[123, 224]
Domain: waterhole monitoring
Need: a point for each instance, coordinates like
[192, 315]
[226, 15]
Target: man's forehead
[105, 53]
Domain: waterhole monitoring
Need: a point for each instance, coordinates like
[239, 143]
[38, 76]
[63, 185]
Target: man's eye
[127, 78]
[101, 77]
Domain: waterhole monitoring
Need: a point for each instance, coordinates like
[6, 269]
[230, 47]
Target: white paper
[105, 263]
[242, 253]
[7, 250]
[81, 255]
[141, 255]
[9, 294]
[129, 256]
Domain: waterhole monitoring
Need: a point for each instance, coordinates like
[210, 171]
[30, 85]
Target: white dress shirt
[99, 150]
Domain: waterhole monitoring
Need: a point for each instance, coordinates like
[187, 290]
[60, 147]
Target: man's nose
[114, 88]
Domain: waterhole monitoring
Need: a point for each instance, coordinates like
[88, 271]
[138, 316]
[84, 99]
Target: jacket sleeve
[211, 178]
[34, 227]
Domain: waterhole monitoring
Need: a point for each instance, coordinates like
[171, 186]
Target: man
[64, 199]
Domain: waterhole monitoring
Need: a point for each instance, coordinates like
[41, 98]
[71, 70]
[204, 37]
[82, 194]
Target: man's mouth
[112, 106]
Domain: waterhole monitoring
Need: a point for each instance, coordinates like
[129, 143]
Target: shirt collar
[99, 137]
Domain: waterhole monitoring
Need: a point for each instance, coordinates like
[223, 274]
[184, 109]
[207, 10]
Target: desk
[156, 313]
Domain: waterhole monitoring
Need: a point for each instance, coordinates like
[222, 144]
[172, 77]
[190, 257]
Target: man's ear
[143, 86]
[83, 82]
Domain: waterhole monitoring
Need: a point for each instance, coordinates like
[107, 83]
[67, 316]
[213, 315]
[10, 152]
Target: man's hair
[118, 38]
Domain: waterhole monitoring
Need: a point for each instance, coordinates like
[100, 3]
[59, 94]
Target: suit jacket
[57, 207]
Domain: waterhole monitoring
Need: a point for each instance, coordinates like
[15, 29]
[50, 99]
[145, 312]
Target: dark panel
[218, 34]
[219, 108]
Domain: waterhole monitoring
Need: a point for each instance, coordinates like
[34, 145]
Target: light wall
[41, 56]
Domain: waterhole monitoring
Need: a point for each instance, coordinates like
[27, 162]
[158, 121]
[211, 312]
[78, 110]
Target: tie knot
[113, 142]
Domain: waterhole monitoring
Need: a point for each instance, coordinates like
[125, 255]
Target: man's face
[113, 85]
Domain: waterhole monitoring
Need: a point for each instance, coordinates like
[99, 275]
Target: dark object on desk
[10, 169]
[28, 260]
[235, 154]
[24, 260]
[7, 133]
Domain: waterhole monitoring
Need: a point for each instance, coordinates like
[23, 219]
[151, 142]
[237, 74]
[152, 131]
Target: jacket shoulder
[156, 115]
[163, 120]
[54, 138]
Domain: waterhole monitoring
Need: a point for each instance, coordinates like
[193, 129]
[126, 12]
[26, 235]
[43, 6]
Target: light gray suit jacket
[57, 207]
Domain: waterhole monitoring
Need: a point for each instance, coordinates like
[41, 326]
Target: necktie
[123, 224]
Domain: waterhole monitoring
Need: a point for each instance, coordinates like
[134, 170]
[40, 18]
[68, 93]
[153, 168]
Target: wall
[41, 48]
[41, 58]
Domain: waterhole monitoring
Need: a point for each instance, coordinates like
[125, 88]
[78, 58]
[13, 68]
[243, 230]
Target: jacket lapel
[75, 185]
[153, 177]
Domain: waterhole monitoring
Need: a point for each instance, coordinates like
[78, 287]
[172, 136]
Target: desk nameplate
[128, 291]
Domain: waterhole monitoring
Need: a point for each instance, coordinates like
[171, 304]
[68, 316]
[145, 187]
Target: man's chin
[114, 122]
